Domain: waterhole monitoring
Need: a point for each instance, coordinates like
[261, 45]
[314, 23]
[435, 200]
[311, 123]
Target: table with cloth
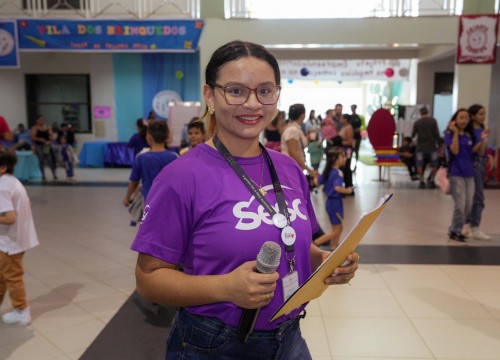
[106, 154]
[27, 167]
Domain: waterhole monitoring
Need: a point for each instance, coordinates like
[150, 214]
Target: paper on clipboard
[314, 286]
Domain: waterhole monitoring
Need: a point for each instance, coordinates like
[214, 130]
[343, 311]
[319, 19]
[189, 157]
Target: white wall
[13, 97]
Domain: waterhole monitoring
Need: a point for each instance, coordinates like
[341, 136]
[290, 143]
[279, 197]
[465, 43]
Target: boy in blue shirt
[147, 165]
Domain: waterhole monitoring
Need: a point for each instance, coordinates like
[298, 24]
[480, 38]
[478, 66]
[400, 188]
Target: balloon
[304, 71]
[179, 74]
[389, 72]
[403, 72]
[290, 81]
[316, 82]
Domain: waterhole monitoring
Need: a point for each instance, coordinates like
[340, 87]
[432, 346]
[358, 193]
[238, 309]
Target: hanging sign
[346, 70]
[9, 55]
[477, 39]
[110, 35]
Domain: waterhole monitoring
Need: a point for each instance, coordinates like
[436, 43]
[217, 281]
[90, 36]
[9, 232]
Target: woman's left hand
[344, 273]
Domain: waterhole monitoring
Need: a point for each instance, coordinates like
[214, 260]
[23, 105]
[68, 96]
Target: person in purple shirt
[149, 164]
[460, 143]
[477, 115]
[138, 141]
[333, 181]
[213, 209]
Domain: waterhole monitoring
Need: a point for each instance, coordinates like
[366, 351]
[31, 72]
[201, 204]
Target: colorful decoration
[161, 102]
[110, 35]
[179, 74]
[477, 39]
[9, 55]
[345, 70]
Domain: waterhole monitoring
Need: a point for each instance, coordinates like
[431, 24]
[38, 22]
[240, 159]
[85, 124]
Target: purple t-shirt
[148, 165]
[461, 163]
[477, 133]
[137, 143]
[200, 214]
[334, 179]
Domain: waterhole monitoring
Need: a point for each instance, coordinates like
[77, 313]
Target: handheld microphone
[268, 260]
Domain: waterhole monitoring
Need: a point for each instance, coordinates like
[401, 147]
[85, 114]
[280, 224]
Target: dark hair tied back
[235, 50]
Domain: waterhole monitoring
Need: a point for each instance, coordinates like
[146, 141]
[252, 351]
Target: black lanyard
[280, 198]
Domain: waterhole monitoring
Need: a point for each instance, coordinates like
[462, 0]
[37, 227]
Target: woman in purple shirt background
[201, 214]
[137, 142]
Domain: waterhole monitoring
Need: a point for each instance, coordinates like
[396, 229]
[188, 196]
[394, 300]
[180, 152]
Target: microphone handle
[247, 322]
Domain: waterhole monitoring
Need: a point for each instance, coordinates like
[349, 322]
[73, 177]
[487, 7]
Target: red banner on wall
[477, 39]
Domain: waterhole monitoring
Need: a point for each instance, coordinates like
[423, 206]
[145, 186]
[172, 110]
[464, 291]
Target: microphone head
[268, 258]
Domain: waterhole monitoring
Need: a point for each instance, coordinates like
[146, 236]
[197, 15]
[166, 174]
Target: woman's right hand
[249, 289]
[453, 126]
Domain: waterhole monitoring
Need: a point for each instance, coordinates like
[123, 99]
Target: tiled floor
[83, 271]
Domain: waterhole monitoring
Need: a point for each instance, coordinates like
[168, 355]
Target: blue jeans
[474, 218]
[195, 337]
[462, 192]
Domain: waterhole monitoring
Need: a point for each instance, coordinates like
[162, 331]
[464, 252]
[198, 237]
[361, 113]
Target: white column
[472, 85]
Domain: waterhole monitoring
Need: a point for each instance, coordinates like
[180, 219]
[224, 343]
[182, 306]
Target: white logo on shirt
[145, 213]
[250, 220]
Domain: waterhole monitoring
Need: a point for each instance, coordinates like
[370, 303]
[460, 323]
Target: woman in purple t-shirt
[214, 208]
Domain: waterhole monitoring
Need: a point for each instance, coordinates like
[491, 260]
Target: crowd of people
[461, 153]
[53, 146]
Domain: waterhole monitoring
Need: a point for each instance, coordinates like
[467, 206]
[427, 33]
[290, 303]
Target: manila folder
[315, 285]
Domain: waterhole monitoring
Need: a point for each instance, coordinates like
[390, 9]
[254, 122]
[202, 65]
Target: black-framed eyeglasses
[239, 94]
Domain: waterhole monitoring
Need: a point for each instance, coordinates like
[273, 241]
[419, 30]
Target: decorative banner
[9, 55]
[477, 39]
[110, 35]
[346, 70]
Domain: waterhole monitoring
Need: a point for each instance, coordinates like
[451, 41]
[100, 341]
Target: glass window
[60, 99]
[321, 9]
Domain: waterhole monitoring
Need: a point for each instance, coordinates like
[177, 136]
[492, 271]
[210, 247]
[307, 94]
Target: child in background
[149, 164]
[477, 115]
[17, 234]
[196, 134]
[138, 141]
[461, 143]
[22, 138]
[333, 181]
[315, 149]
[66, 154]
[407, 155]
